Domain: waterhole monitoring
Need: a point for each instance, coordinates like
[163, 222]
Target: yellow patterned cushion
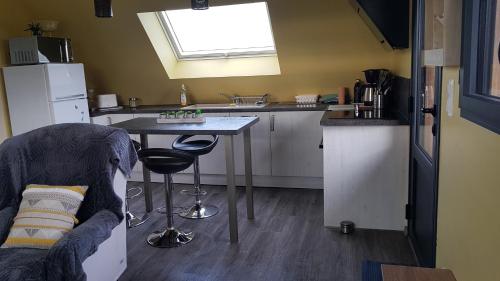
[46, 213]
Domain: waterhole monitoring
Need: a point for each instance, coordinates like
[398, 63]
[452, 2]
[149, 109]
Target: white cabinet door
[70, 111]
[214, 163]
[307, 135]
[295, 139]
[65, 81]
[117, 118]
[261, 145]
[282, 153]
[103, 120]
[158, 141]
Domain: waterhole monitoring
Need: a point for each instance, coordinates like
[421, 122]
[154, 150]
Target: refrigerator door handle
[70, 97]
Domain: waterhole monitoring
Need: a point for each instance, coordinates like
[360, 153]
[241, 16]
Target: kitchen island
[366, 156]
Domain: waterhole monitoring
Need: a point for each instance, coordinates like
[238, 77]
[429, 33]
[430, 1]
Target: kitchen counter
[364, 118]
[273, 107]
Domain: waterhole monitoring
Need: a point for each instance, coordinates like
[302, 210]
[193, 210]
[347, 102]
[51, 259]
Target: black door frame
[415, 107]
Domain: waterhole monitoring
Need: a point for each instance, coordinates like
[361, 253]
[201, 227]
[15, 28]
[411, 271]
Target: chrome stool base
[169, 238]
[133, 221]
[199, 212]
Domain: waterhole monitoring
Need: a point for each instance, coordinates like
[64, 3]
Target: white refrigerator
[45, 94]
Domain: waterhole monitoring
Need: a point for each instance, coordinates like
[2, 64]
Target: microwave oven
[37, 49]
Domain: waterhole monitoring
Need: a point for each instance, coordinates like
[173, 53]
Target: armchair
[69, 154]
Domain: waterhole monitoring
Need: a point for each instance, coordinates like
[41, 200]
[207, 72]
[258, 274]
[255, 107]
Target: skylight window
[225, 31]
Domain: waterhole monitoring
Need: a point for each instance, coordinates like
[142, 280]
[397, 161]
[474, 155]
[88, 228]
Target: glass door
[426, 117]
[426, 92]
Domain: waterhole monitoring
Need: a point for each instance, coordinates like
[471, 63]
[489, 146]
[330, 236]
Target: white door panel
[70, 111]
[282, 143]
[214, 163]
[307, 135]
[27, 98]
[117, 118]
[103, 120]
[261, 145]
[295, 139]
[159, 141]
[65, 81]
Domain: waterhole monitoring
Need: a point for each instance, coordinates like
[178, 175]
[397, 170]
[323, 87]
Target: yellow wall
[13, 20]
[321, 45]
[468, 239]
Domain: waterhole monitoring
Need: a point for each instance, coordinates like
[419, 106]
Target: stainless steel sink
[204, 106]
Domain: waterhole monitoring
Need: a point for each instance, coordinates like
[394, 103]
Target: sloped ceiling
[321, 45]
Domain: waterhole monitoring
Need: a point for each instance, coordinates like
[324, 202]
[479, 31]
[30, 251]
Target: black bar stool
[132, 219]
[167, 162]
[197, 148]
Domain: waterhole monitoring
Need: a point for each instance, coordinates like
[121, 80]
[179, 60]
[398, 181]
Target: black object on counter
[373, 75]
[358, 91]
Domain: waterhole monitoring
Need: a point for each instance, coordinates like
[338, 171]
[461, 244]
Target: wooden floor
[286, 241]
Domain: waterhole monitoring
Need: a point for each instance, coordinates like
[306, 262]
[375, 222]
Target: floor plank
[286, 241]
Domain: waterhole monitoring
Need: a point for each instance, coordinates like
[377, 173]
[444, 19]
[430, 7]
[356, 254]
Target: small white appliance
[107, 101]
[45, 94]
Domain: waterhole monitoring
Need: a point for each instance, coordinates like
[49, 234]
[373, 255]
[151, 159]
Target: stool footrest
[193, 192]
[136, 191]
[133, 220]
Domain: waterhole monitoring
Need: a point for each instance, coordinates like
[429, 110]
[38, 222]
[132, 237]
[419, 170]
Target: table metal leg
[148, 196]
[231, 189]
[248, 173]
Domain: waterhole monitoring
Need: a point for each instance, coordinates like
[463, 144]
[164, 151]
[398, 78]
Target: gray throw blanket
[66, 154]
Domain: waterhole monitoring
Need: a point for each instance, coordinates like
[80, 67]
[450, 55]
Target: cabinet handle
[273, 117]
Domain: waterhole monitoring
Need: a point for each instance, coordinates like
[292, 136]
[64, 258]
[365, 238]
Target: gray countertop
[364, 118]
[330, 118]
[162, 108]
[212, 126]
